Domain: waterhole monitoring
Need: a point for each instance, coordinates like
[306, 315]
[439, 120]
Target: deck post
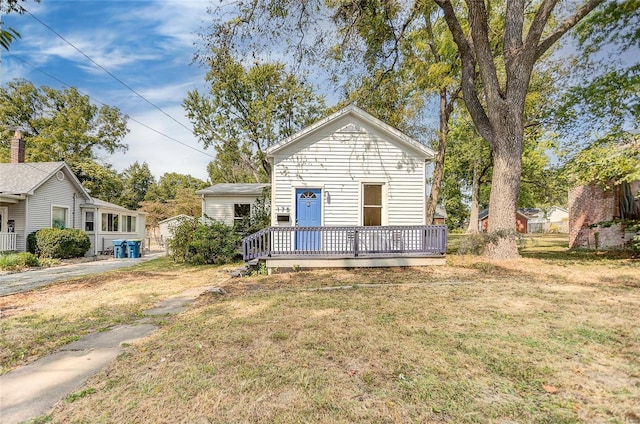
[355, 242]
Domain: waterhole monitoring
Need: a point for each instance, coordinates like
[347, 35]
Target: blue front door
[308, 214]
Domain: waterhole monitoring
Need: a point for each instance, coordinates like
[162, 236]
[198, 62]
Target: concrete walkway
[32, 279]
[32, 390]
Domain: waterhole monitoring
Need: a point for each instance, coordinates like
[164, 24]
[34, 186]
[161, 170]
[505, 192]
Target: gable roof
[175, 218]
[26, 177]
[354, 111]
[557, 208]
[93, 203]
[234, 189]
[440, 212]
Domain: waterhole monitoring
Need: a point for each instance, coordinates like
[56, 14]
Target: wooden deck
[303, 247]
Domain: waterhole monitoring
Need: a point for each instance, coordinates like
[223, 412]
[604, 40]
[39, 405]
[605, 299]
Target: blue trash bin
[134, 248]
[119, 247]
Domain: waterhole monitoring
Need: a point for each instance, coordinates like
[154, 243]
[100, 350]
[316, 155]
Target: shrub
[20, 260]
[61, 243]
[197, 243]
[32, 245]
[473, 244]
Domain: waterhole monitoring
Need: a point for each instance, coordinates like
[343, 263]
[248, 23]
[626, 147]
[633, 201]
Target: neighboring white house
[168, 225]
[229, 203]
[39, 195]
[349, 169]
[558, 219]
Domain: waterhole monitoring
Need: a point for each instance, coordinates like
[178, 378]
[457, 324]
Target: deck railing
[417, 240]
[8, 242]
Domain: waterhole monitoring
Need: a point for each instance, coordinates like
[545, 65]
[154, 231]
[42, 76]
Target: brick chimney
[17, 148]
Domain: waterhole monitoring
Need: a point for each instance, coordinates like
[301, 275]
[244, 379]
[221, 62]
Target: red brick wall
[588, 205]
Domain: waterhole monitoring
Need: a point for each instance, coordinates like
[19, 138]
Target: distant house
[228, 202]
[348, 190]
[39, 195]
[558, 219]
[522, 221]
[597, 215]
[167, 226]
[440, 216]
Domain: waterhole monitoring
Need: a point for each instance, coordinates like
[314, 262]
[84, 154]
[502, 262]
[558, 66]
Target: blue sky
[147, 44]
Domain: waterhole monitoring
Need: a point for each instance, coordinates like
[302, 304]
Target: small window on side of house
[109, 222]
[89, 221]
[59, 217]
[372, 205]
[241, 211]
[128, 224]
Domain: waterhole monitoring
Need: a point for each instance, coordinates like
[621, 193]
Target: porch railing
[418, 240]
[8, 242]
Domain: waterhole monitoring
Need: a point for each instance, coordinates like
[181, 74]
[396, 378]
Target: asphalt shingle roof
[22, 178]
[230, 189]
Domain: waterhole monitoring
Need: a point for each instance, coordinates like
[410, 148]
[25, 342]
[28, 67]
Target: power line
[104, 104]
[107, 71]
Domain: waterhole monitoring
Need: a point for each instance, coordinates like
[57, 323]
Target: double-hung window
[372, 205]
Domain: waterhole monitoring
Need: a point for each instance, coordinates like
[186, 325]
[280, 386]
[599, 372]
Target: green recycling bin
[134, 248]
[119, 247]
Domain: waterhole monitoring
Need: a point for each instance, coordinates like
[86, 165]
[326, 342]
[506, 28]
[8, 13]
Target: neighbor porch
[347, 247]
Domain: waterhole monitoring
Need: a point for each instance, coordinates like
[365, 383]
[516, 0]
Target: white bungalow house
[229, 203]
[351, 188]
[37, 195]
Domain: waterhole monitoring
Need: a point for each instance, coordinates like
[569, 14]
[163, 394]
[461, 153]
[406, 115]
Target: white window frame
[106, 229]
[384, 212]
[66, 215]
[85, 221]
[125, 228]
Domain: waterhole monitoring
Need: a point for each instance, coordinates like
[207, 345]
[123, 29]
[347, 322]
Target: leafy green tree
[169, 184]
[137, 179]
[600, 112]
[246, 111]
[172, 195]
[229, 165]
[101, 181]
[58, 124]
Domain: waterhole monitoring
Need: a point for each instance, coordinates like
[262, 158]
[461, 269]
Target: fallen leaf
[550, 389]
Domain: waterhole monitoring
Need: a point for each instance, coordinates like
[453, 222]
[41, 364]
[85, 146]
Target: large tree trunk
[474, 225]
[438, 172]
[505, 184]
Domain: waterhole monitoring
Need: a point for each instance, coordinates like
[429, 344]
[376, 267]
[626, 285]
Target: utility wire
[107, 71]
[104, 104]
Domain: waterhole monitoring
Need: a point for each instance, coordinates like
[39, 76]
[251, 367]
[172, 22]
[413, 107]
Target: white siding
[558, 215]
[54, 192]
[220, 208]
[339, 163]
[17, 214]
